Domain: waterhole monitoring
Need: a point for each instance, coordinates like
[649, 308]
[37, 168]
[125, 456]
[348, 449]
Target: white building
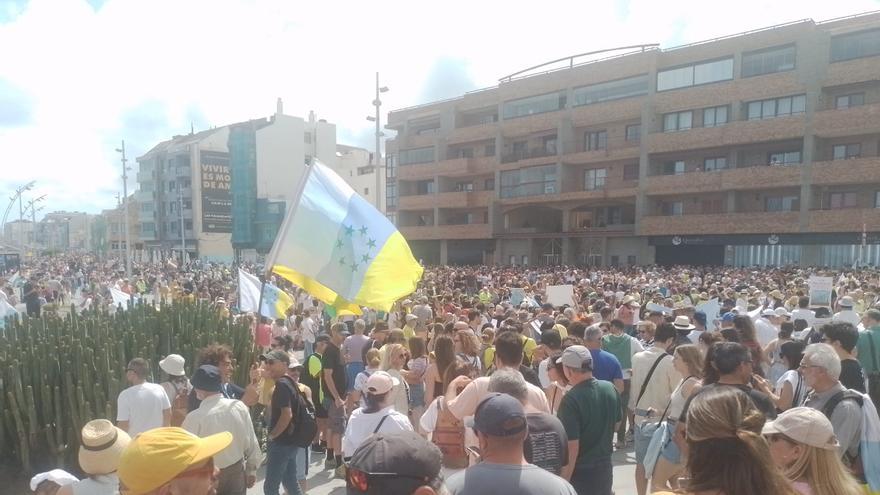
[355, 166]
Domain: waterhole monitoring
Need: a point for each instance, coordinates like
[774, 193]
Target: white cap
[380, 382]
[58, 476]
[804, 425]
[780, 311]
[173, 365]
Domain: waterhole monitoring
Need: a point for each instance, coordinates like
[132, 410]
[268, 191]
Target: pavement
[323, 482]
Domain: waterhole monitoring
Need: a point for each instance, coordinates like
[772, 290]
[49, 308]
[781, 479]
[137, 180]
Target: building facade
[761, 148]
[108, 231]
[356, 167]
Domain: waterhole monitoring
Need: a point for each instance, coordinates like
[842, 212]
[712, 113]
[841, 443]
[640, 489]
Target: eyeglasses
[362, 480]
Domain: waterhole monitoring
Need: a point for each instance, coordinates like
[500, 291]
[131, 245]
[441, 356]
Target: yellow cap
[156, 457]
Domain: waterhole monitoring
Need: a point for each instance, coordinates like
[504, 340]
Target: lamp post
[17, 196]
[378, 155]
[125, 210]
[32, 206]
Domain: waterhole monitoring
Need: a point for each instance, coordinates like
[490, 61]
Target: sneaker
[330, 463]
[340, 471]
[318, 449]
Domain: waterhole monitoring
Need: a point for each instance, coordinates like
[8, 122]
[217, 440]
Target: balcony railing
[538, 152]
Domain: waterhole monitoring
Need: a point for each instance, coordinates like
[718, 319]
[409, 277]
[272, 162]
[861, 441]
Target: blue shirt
[605, 365]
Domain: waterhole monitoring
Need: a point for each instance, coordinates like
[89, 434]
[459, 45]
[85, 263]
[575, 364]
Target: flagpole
[288, 218]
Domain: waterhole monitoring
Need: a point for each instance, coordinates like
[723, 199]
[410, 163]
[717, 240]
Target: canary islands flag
[274, 301]
[340, 249]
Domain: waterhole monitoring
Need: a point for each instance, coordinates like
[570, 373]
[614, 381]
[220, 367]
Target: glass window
[846, 101]
[777, 107]
[798, 104]
[425, 187]
[768, 108]
[611, 90]
[631, 171]
[768, 61]
[489, 184]
[418, 155]
[782, 203]
[846, 151]
[673, 168]
[672, 208]
[715, 116]
[712, 164]
[594, 179]
[464, 186]
[702, 73]
[754, 110]
[533, 105]
[147, 207]
[784, 158]
[532, 181]
[877, 199]
[842, 200]
[597, 140]
[855, 45]
[490, 150]
[678, 121]
[634, 132]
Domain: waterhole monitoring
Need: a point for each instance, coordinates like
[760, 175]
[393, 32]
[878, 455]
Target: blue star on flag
[354, 267]
[371, 243]
[349, 230]
[363, 230]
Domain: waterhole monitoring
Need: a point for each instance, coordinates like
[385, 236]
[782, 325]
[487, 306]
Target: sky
[79, 76]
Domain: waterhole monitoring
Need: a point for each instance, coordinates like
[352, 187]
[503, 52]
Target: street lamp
[378, 104]
[17, 196]
[125, 170]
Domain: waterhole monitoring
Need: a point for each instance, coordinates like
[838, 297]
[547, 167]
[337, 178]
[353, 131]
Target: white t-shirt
[543, 377]
[142, 406]
[309, 329]
[792, 377]
[765, 332]
[361, 425]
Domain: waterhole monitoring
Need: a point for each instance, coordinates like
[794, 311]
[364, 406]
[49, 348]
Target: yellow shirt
[529, 346]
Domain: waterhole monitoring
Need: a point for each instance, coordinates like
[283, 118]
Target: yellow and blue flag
[274, 302]
[340, 249]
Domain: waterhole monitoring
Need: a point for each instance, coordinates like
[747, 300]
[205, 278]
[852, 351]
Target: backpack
[180, 405]
[854, 462]
[303, 427]
[448, 436]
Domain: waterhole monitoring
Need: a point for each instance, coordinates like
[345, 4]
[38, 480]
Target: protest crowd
[519, 380]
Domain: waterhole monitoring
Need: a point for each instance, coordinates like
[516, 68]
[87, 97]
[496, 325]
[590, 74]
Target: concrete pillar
[444, 252]
[813, 66]
[731, 201]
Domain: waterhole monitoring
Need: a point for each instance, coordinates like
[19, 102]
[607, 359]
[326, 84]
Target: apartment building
[760, 148]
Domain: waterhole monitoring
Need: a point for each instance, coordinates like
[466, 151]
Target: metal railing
[538, 152]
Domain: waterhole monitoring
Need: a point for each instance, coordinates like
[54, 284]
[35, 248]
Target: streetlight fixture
[125, 170]
[17, 196]
[378, 104]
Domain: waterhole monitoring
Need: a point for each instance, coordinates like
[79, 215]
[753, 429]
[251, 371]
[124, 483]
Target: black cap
[277, 355]
[322, 338]
[207, 378]
[499, 415]
[415, 460]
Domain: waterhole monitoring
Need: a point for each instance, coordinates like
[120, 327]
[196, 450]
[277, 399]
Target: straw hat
[102, 446]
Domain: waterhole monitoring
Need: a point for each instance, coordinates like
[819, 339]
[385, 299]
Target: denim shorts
[643, 434]
[671, 451]
[302, 463]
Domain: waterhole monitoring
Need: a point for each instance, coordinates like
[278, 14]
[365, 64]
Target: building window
[172, 207]
[841, 200]
[846, 101]
[631, 260]
[188, 224]
[307, 137]
[631, 171]
[464, 186]
[846, 151]
[187, 204]
[532, 181]
[172, 185]
[147, 207]
[673, 168]
[677, 121]
[392, 217]
[784, 158]
[596, 140]
[711, 206]
[549, 144]
[490, 150]
[365, 170]
[594, 178]
[768, 61]
[715, 116]
[782, 203]
[391, 195]
[877, 199]
[692, 75]
[418, 155]
[533, 105]
[672, 208]
[855, 45]
[148, 227]
[366, 191]
[777, 107]
[489, 184]
[425, 187]
[611, 90]
[634, 133]
[713, 164]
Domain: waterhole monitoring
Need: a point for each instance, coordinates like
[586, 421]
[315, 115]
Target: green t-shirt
[620, 346]
[588, 412]
[864, 346]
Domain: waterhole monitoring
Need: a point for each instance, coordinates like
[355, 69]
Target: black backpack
[303, 426]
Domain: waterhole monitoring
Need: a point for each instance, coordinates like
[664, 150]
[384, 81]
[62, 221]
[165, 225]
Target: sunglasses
[363, 481]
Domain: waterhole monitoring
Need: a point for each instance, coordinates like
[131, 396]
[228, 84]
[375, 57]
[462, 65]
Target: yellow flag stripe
[315, 289]
[392, 274]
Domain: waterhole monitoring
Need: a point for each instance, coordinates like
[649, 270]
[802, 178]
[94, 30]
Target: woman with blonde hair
[396, 356]
[726, 454]
[372, 363]
[468, 347]
[688, 361]
[803, 445]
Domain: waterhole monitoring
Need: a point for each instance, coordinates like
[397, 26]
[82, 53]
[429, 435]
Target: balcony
[468, 231]
[747, 177]
[852, 71]
[609, 111]
[733, 133]
[845, 220]
[418, 139]
[455, 167]
[851, 171]
[417, 202]
[537, 152]
[862, 119]
[619, 190]
[615, 149]
[475, 132]
[530, 124]
[454, 199]
[721, 223]
[144, 176]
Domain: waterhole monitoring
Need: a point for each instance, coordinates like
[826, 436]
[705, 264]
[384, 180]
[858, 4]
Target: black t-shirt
[546, 445]
[851, 375]
[229, 391]
[30, 294]
[282, 397]
[760, 399]
[530, 375]
[332, 360]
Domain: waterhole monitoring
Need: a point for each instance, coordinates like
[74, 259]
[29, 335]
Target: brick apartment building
[757, 148]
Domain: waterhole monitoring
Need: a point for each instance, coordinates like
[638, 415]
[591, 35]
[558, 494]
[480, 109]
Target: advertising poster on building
[820, 291]
[216, 193]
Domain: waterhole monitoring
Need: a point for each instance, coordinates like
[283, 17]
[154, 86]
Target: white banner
[820, 291]
[248, 292]
[560, 295]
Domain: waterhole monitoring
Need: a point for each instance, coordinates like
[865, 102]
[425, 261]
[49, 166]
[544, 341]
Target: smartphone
[475, 451]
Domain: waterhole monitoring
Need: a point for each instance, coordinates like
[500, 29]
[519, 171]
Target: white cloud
[142, 71]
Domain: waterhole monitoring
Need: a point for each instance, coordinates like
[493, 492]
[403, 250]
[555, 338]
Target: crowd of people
[477, 383]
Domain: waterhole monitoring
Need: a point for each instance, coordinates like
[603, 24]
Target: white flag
[119, 297]
[6, 309]
[248, 292]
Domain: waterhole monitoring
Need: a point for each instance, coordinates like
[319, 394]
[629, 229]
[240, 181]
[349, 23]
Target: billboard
[216, 192]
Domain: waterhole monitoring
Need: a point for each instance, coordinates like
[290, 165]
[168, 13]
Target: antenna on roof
[191, 128]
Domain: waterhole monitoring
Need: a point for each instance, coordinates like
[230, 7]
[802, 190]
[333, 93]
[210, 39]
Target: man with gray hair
[605, 365]
[425, 313]
[821, 370]
[144, 405]
[546, 444]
